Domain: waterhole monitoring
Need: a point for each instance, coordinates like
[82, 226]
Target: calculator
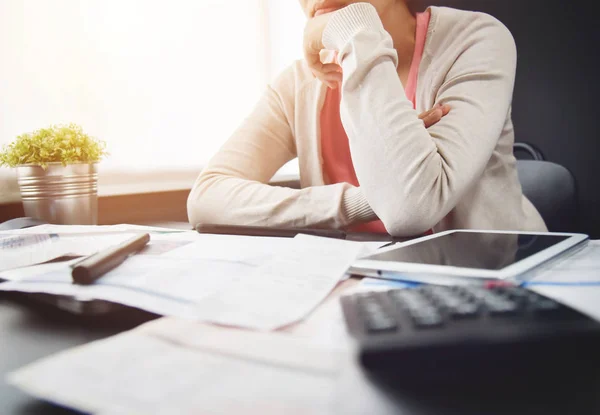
[449, 332]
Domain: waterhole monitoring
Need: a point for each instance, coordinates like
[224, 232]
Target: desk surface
[30, 331]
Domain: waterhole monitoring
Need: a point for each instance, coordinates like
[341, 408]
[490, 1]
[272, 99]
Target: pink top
[337, 161]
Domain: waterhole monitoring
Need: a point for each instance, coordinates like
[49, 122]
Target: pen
[93, 267]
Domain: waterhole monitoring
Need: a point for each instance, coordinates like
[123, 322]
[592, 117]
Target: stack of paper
[173, 366]
[38, 244]
[259, 283]
[262, 283]
[574, 281]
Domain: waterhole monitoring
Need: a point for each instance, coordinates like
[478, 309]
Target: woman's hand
[434, 115]
[329, 73]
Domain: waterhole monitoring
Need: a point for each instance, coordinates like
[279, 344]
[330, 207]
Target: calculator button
[380, 324]
[432, 290]
[502, 307]
[370, 306]
[375, 316]
[447, 299]
[427, 318]
[407, 294]
[475, 293]
[465, 310]
[408, 299]
[425, 315]
[449, 303]
[460, 290]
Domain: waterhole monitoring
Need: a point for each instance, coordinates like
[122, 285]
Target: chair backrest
[551, 189]
[555, 102]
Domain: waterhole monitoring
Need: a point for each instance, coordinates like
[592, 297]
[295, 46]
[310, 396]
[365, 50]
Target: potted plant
[57, 172]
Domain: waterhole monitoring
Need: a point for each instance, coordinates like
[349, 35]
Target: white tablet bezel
[372, 268]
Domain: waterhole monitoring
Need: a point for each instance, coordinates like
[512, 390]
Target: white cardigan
[459, 173]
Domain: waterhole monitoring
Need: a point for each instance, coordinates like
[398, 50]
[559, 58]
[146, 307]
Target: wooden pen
[93, 267]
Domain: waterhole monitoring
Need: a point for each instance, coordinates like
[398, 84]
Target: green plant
[58, 143]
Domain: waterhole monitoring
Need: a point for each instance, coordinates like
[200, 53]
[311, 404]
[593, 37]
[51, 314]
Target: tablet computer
[453, 255]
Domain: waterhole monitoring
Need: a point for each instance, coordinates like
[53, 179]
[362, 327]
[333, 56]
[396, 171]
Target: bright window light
[163, 82]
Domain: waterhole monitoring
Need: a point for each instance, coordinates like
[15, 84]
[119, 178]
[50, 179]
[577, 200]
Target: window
[164, 83]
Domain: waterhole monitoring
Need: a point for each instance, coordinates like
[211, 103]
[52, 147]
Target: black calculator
[448, 332]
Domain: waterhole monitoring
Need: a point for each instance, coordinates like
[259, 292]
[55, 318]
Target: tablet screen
[490, 251]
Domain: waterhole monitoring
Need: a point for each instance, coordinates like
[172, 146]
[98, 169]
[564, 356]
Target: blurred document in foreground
[194, 368]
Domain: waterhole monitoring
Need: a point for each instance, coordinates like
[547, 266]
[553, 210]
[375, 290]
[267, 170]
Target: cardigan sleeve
[233, 189]
[412, 177]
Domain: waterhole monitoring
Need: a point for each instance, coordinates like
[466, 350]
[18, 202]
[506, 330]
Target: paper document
[580, 268]
[152, 283]
[574, 281]
[285, 288]
[23, 250]
[172, 366]
[75, 245]
[9, 242]
[250, 250]
[270, 284]
[38, 244]
[87, 229]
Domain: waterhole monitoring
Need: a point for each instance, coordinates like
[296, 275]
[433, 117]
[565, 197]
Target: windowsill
[114, 183]
[124, 182]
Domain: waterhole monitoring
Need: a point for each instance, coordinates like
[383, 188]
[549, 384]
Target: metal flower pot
[60, 194]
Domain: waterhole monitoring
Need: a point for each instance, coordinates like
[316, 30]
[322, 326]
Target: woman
[367, 160]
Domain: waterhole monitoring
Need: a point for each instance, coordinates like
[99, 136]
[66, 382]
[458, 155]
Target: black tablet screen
[491, 251]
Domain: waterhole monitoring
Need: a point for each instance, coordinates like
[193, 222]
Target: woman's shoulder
[449, 19]
[449, 26]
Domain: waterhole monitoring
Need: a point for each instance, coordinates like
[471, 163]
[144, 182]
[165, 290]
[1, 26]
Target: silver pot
[60, 194]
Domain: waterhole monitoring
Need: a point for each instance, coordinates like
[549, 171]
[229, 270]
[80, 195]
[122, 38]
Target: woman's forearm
[217, 198]
[232, 189]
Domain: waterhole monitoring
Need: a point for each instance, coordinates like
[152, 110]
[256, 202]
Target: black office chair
[549, 186]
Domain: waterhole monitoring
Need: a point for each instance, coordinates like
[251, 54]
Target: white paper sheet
[170, 366]
[60, 245]
[89, 229]
[75, 240]
[293, 278]
[581, 268]
[153, 283]
[574, 281]
[77, 244]
[250, 250]
[286, 288]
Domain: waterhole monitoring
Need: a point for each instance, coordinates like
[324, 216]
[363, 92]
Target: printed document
[39, 244]
[22, 250]
[574, 281]
[256, 282]
[182, 367]
[285, 288]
